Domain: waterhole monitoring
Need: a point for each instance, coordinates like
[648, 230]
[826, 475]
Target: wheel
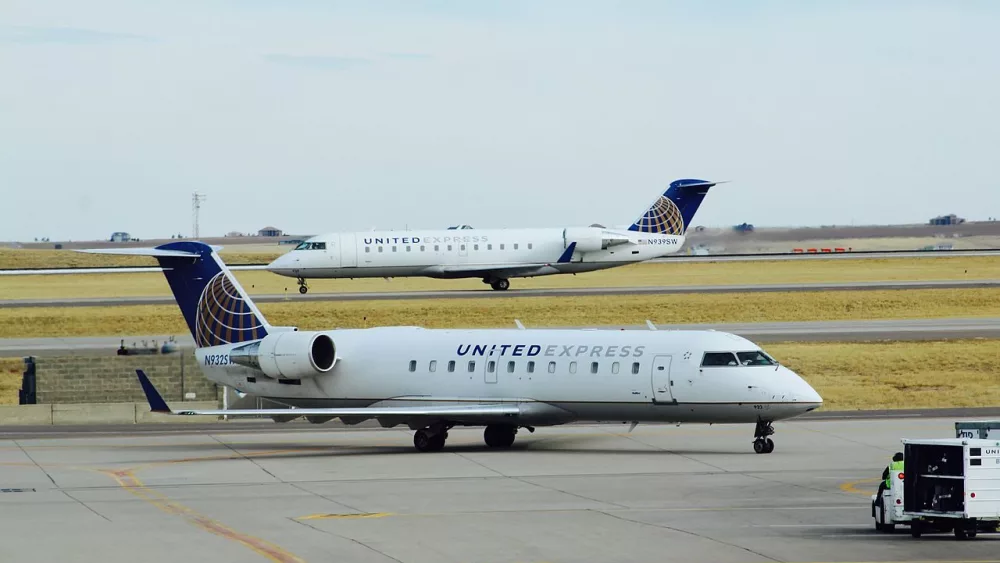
[424, 441]
[960, 533]
[303, 289]
[879, 518]
[916, 528]
[499, 435]
[500, 285]
[760, 446]
[769, 445]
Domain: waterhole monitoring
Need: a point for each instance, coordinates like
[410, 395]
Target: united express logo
[663, 217]
[224, 316]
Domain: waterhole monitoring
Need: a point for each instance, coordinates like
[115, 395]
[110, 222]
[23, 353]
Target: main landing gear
[500, 435]
[499, 284]
[431, 439]
[303, 288]
[761, 443]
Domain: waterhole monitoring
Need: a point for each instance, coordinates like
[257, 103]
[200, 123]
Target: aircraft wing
[497, 270]
[471, 411]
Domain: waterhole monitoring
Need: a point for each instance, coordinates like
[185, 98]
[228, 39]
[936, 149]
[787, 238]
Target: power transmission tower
[196, 199]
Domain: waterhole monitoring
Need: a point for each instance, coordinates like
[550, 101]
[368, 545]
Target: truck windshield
[756, 358]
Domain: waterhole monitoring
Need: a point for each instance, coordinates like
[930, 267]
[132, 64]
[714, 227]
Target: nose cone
[802, 391]
[285, 265]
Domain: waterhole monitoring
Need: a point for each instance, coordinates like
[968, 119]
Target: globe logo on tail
[663, 217]
[224, 317]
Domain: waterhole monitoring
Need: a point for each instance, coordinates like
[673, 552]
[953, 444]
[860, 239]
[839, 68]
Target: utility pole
[196, 199]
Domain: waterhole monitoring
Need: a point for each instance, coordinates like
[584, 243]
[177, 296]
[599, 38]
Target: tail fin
[673, 211]
[215, 306]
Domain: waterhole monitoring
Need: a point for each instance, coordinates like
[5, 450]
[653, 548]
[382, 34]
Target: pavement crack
[324, 497]
[689, 533]
[244, 457]
[56, 485]
[346, 538]
[85, 505]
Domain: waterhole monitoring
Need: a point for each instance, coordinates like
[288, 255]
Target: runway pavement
[838, 331]
[488, 293]
[576, 494]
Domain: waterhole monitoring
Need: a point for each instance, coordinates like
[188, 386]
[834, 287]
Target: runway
[808, 331]
[562, 292]
[583, 493]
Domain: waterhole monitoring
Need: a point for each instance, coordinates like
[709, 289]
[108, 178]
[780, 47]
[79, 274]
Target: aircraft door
[348, 251]
[332, 252]
[661, 381]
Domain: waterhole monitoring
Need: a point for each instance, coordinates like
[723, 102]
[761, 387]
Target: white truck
[978, 429]
[949, 485]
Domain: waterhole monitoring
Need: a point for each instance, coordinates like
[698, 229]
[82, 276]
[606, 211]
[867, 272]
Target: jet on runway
[432, 380]
[496, 255]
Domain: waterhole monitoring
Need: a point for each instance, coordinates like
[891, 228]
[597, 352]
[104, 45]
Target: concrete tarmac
[488, 293]
[588, 493]
[834, 331]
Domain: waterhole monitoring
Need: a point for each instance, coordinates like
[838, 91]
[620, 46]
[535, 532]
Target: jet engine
[288, 355]
[587, 239]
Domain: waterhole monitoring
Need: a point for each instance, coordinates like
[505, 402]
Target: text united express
[552, 350]
[418, 240]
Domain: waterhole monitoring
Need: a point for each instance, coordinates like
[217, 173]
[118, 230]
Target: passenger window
[432, 367]
[422, 248]
[515, 246]
[489, 247]
[451, 366]
[436, 247]
[380, 249]
[368, 249]
[449, 248]
[635, 367]
[531, 367]
[552, 367]
[593, 367]
[510, 367]
[756, 358]
[407, 248]
[475, 247]
[462, 247]
[529, 246]
[501, 247]
[472, 366]
[614, 368]
[572, 367]
[719, 359]
[413, 365]
[394, 249]
[491, 366]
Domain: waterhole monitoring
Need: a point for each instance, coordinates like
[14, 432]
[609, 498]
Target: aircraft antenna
[196, 199]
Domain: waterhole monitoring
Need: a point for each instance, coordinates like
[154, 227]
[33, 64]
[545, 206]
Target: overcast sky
[324, 115]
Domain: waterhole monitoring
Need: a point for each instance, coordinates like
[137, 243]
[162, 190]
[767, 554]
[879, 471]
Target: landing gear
[430, 439]
[500, 285]
[303, 288]
[500, 435]
[761, 443]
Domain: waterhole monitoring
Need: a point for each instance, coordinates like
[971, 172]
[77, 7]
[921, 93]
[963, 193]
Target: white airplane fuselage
[555, 376]
[472, 253]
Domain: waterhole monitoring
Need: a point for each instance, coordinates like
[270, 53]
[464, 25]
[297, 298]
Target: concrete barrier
[25, 415]
[94, 413]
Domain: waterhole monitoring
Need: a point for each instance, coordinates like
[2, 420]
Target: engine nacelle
[288, 355]
[587, 239]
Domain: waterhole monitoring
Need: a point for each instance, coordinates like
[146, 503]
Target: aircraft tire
[499, 435]
[759, 446]
[769, 445]
[500, 285]
[424, 441]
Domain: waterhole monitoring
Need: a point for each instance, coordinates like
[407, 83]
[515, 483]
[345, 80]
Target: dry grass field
[533, 311]
[10, 379]
[962, 373]
[848, 375]
[649, 274]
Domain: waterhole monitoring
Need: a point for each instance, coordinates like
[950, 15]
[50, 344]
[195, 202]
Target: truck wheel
[916, 528]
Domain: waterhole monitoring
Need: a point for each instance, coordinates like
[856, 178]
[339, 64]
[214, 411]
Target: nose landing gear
[303, 288]
[761, 443]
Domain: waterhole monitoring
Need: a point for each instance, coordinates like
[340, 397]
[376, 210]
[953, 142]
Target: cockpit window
[716, 359]
[756, 358]
[311, 246]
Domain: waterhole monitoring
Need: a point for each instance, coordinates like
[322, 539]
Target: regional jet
[432, 380]
[496, 255]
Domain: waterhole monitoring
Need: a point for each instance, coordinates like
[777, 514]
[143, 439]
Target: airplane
[432, 380]
[496, 255]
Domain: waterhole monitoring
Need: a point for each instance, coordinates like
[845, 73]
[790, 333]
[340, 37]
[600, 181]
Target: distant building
[269, 232]
[234, 234]
[947, 220]
[120, 237]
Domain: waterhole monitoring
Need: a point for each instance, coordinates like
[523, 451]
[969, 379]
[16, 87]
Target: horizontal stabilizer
[158, 405]
[156, 252]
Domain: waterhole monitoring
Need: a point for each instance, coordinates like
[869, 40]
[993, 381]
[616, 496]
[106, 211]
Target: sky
[324, 115]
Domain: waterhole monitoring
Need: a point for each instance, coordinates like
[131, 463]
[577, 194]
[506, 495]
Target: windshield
[311, 246]
[756, 358]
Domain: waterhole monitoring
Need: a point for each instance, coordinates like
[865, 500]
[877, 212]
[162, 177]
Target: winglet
[568, 254]
[156, 402]
[519, 325]
[650, 324]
